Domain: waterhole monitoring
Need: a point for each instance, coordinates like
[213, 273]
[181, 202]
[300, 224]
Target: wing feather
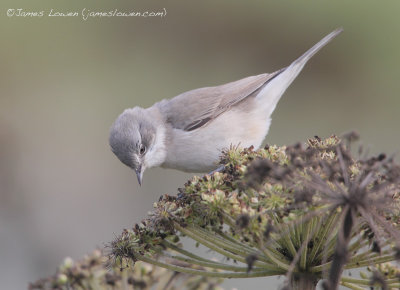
[196, 108]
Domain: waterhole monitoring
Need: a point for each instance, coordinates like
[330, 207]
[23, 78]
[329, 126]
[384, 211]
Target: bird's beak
[139, 174]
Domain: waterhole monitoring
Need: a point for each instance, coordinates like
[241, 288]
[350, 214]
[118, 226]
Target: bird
[189, 131]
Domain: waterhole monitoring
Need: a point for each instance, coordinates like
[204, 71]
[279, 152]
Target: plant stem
[303, 281]
[204, 272]
[341, 250]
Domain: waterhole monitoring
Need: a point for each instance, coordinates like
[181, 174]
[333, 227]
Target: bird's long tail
[274, 88]
[313, 50]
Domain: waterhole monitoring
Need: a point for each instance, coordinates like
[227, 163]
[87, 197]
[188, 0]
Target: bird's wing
[194, 109]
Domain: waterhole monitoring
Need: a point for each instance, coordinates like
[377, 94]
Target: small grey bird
[189, 131]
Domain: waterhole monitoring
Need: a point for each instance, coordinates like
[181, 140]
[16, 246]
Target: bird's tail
[276, 86]
[313, 50]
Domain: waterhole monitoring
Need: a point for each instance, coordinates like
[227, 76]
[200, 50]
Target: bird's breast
[200, 150]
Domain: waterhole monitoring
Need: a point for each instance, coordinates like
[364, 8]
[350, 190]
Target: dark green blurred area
[64, 80]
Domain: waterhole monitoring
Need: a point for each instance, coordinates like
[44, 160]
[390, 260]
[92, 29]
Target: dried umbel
[93, 272]
[305, 212]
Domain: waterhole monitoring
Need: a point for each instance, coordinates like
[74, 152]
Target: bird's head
[137, 139]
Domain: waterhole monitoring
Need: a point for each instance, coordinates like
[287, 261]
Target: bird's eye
[142, 149]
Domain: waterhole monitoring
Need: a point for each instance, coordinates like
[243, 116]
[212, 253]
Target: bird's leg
[219, 169]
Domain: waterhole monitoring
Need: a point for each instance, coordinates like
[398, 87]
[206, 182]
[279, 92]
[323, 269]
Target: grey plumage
[133, 128]
[189, 131]
[204, 104]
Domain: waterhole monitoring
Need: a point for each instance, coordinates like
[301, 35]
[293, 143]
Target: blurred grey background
[63, 81]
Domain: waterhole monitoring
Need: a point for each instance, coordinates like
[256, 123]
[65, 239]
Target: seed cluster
[306, 212]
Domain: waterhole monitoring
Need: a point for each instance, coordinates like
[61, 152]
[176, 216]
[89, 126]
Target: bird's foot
[219, 169]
